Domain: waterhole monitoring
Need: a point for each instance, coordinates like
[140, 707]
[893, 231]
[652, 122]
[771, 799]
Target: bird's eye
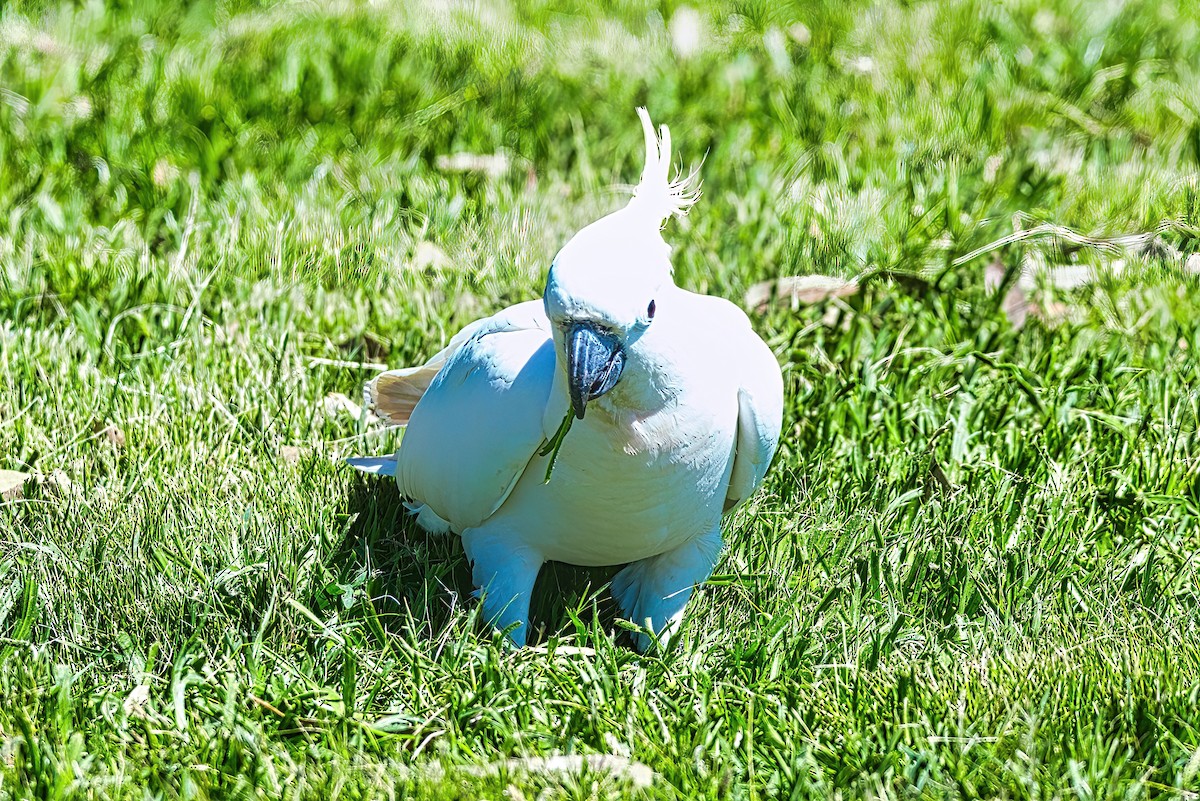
[650, 310]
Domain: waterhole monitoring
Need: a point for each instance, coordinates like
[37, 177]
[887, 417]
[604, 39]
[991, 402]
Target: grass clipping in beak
[553, 445]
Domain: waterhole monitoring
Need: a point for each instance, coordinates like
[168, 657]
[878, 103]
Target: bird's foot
[504, 571]
[654, 592]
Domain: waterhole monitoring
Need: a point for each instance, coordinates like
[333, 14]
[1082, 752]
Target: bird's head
[607, 285]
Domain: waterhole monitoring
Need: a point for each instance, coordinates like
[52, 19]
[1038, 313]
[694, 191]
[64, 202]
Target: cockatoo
[670, 403]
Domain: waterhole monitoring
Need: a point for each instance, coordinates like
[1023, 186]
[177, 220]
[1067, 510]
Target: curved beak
[594, 363]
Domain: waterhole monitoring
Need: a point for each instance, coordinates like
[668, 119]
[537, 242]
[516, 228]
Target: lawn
[972, 573]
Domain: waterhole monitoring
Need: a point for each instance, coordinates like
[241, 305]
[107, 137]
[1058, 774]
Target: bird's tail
[393, 395]
[386, 466]
[375, 465]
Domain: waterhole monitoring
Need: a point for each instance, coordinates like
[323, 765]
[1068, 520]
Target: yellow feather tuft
[656, 194]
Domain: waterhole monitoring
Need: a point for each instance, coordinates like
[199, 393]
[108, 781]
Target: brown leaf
[12, 484]
[1016, 304]
[112, 433]
[1052, 313]
[429, 256]
[337, 403]
[637, 774]
[795, 290]
[56, 482]
[490, 164]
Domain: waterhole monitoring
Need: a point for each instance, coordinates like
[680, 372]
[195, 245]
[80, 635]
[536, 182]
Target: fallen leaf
[492, 165]
[56, 482]
[638, 774]
[798, 289]
[336, 403]
[1051, 313]
[12, 484]
[113, 434]
[1016, 303]
[290, 454]
[429, 255]
[135, 702]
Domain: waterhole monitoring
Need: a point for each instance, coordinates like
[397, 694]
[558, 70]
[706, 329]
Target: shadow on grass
[421, 581]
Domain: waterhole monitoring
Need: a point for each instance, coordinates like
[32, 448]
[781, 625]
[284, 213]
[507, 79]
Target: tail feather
[427, 518]
[375, 465]
[393, 395]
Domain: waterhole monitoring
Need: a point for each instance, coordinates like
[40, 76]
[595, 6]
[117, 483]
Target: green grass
[972, 573]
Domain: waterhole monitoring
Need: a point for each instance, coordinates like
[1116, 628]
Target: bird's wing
[760, 415]
[393, 395]
[479, 422]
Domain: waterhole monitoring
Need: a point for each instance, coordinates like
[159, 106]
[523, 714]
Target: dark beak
[594, 363]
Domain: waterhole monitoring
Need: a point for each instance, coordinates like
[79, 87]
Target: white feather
[373, 465]
[657, 196]
[645, 476]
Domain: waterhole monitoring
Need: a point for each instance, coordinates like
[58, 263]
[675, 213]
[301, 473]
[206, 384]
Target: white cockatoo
[670, 403]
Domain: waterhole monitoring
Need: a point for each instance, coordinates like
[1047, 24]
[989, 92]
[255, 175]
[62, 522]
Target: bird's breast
[627, 484]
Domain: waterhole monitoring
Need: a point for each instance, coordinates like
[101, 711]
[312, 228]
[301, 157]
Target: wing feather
[393, 395]
[475, 428]
[760, 420]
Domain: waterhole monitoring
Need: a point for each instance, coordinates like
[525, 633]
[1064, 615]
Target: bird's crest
[657, 195]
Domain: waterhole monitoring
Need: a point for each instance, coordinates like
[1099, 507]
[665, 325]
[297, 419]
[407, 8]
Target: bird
[615, 421]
